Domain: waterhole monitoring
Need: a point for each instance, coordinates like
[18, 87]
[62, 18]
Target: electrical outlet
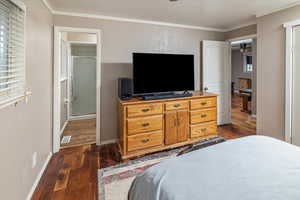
[34, 156]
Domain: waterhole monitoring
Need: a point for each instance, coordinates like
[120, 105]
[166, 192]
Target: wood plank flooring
[72, 173]
[242, 123]
[82, 132]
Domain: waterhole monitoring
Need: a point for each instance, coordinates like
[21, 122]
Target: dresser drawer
[203, 130]
[199, 116]
[145, 140]
[203, 103]
[177, 105]
[143, 110]
[144, 124]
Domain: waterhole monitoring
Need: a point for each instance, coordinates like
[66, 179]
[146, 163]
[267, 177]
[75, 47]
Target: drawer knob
[203, 103]
[145, 140]
[177, 105]
[204, 129]
[203, 116]
[145, 124]
[146, 110]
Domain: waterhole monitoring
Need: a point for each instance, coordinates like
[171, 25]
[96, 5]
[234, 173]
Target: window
[248, 67]
[12, 55]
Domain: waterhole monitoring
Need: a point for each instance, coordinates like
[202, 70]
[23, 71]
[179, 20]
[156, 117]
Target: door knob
[206, 88]
[66, 100]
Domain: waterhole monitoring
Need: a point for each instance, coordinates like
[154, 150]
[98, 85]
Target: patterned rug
[114, 182]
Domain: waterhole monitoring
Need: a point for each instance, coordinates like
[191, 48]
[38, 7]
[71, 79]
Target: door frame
[56, 82]
[246, 37]
[289, 80]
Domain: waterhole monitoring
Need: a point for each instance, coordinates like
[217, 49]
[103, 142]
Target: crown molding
[239, 26]
[273, 10]
[46, 3]
[75, 14]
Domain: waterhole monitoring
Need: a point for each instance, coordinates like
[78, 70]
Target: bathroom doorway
[78, 90]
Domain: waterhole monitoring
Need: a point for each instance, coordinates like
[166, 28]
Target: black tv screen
[158, 73]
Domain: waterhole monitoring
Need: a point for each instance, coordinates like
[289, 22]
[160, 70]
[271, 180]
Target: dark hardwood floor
[72, 173]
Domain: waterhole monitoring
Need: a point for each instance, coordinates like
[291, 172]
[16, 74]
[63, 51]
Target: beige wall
[248, 30]
[119, 40]
[254, 77]
[26, 128]
[270, 75]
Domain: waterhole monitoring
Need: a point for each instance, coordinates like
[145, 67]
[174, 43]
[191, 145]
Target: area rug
[114, 182]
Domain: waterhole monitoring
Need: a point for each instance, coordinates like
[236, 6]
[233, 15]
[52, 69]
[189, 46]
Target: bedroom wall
[119, 40]
[26, 128]
[240, 32]
[271, 71]
[254, 78]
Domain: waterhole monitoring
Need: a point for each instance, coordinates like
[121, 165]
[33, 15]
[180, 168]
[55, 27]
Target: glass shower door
[83, 86]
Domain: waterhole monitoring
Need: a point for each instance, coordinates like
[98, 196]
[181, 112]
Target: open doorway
[79, 88]
[243, 84]
[76, 107]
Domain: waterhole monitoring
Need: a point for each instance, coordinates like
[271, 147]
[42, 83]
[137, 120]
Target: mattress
[250, 168]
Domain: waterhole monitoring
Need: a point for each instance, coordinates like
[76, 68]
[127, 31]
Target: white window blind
[12, 52]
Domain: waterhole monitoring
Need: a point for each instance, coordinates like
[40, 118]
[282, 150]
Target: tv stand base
[166, 96]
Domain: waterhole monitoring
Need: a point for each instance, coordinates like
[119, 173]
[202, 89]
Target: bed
[250, 168]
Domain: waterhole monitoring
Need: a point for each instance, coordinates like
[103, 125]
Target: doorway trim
[246, 37]
[289, 82]
[242, 38]
[56, 82]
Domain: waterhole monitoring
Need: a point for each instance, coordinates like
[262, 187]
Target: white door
[64, 84]
[216, 76]
[296, 87]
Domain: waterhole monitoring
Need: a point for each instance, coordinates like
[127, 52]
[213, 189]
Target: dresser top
[196, 95]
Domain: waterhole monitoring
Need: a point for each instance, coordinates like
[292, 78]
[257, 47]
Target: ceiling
[218, 14]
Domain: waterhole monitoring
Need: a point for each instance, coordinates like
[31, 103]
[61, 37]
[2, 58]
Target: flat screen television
[160, 73]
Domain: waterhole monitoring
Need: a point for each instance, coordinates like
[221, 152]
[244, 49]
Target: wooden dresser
[149, 126]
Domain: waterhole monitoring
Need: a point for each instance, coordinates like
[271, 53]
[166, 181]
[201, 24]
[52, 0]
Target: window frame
[26, 93]
[245, 65]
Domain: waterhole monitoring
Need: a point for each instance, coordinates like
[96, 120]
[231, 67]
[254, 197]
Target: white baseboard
[109, 141]
[39, 176]
[73, 118]
[63, 128]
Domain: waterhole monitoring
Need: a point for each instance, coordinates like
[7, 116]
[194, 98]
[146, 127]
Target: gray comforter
[251, 168]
